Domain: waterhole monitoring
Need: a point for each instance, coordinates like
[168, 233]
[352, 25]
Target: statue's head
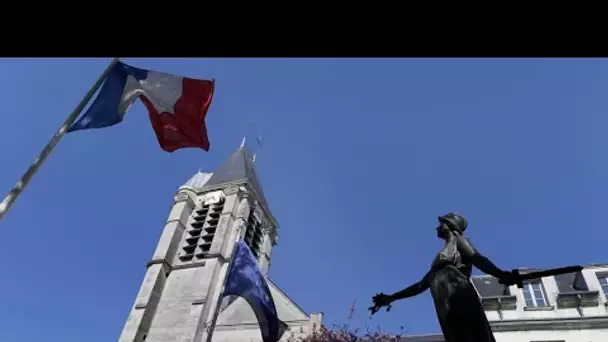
[451, 222]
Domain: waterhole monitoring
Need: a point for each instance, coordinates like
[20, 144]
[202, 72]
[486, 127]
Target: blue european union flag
[246, 280]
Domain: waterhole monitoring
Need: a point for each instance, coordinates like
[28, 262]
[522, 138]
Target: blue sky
[359, 158]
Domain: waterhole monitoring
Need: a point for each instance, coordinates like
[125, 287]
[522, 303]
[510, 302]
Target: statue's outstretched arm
[481, 262]
[413, 290]
[380, 300]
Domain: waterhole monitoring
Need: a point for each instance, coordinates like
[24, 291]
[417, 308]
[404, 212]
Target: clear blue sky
[360, 156]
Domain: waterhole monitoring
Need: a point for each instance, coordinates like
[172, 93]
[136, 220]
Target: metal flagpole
[211, 326]
[27, 176]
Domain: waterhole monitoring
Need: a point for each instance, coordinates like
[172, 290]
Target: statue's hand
[508, 278]
[380, 300]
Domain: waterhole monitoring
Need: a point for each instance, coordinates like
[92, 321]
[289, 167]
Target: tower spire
[243, 141]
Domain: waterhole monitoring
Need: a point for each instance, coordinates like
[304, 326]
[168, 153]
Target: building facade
[567, 308]
[181, 294]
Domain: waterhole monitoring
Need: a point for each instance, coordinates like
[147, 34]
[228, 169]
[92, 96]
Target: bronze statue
[461, 315]
[459, 310]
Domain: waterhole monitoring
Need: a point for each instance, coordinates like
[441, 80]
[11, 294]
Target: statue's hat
[455, 221]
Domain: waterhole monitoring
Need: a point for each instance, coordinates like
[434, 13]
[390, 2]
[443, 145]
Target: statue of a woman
[458, 307]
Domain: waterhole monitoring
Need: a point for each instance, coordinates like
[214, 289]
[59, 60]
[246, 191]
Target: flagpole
[27, 176]
[211, 328]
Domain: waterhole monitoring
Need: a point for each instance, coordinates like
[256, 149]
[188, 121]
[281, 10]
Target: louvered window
[201, 232]
[254, 235]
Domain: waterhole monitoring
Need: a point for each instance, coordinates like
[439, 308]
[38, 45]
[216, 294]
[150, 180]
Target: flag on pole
[246, 280]
[177, 106]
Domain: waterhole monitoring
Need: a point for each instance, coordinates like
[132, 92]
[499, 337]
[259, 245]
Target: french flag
[177, 105]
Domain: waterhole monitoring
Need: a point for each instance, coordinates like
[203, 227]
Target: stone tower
[183, 283]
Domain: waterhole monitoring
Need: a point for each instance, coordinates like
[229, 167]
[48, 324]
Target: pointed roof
[198, 180]
[239, 312]
[238, 168]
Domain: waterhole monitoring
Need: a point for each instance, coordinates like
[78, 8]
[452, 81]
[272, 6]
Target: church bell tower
[184, 279]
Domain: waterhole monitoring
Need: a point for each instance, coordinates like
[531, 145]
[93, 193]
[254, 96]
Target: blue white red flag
[177, 106]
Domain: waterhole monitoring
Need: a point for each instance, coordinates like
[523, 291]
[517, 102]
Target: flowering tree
[344, 333]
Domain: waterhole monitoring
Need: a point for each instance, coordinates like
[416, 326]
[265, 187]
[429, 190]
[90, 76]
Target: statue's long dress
[459, 309]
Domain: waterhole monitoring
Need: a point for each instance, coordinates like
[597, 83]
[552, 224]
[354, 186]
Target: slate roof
[238, 311]
[238, 168]
[488, 286]
[571, 282]
[198, 180]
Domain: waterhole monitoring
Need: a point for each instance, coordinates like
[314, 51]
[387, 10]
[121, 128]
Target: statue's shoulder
[464, 239]
[465, 246]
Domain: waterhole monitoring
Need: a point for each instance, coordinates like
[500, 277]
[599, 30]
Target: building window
[200, 234]
[254, 235]
[534, 294]
[603, 278]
